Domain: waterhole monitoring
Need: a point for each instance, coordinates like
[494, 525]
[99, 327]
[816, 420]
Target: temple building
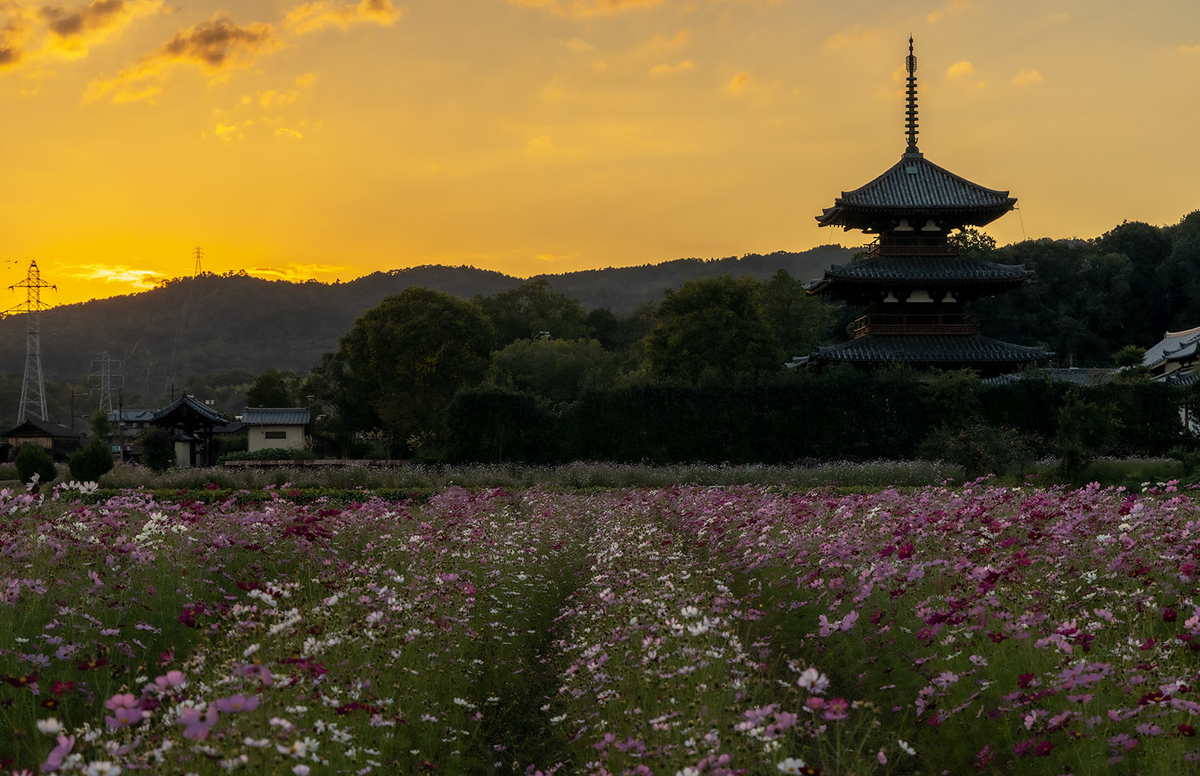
[914, 282]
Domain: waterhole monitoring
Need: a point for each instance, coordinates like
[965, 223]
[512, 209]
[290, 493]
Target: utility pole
[33, 388]
[121, 423]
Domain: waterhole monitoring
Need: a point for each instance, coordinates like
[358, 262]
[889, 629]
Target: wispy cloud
[73, 30]
[583, 9]
[954, 7]
[580, 45]
[960, 69]
[310, 17]
[1026, 77]
[663, 43]
[664, 70]
[115, 273]
[215, 47]
[737, 85]
[296, 272]
[856, 36]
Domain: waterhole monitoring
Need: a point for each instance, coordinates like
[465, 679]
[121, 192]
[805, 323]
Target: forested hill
[217, 323]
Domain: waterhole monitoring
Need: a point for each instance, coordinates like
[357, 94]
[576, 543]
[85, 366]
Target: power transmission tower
[179, 348]
[33, 388]
[105, 372]
[199, 254]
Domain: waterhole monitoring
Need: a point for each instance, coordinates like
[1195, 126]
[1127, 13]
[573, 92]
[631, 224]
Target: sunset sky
[332, 138]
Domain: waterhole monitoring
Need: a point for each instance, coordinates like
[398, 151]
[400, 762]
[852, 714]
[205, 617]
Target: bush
[89, 463]
[35, 459]
[157, 451]
[980, 449]
[269, 454]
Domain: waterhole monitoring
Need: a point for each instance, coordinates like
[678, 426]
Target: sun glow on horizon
[328, 139]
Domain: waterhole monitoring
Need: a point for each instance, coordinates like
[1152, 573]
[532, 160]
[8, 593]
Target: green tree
[157, 451]
[974, 243]
[533, 308]
[399, 366]
[1129, 356]
[713, 329]
[88, 464]
[34, 459]
[275, 388]
[559, 370]
[801, 322]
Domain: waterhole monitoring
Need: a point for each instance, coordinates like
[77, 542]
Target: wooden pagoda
[914, 282]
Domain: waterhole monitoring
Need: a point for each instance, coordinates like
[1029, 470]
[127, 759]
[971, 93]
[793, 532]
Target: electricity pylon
[33, 388]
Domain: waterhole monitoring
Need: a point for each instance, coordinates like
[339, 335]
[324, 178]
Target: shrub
[89, 463]
[980, 449]
[34, 459]
[269, 454]
[157, 451]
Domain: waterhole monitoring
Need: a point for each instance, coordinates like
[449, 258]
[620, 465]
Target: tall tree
[399, 366]
[801, 322]
[558, 370]
[275, 388]
[713, 329]
[534, 310]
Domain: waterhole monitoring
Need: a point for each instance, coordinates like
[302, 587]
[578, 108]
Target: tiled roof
[132, 416]
[1075, 375]
[201, 409]
[929, 349]
[276, 416]
[46, 427]
[1174, 346]
[928, 269]
[915, 183]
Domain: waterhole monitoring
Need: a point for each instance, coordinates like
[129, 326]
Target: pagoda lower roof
[917, 185]
[927, 270]
[929, 349]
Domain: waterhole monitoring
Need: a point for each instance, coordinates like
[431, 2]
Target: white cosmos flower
[791, 765]
[102, 768]
[50, 727]
[905, 747]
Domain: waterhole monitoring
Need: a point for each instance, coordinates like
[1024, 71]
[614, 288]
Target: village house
[276, 427]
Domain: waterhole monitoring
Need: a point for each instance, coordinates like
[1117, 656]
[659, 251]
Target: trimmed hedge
[838, 414]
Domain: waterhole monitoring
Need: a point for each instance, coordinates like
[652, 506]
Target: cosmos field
[688, 630]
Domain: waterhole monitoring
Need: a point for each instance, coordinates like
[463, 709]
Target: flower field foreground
[673, 631]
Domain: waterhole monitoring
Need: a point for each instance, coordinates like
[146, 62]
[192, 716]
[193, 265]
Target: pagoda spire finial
[911, 66]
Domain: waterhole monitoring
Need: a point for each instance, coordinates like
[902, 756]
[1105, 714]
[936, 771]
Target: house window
[276, 434]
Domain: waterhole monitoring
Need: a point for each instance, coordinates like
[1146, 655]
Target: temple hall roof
[930, 349]
[1174, 346]
[915, 184]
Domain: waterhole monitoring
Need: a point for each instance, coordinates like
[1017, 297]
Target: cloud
[296, 272]
[738, 83]
[306, 81]
[960, 69]
[292, 133]
[215, 47]
[583, 9]
[954, 7]
[577, 44]
[663, 43]
[319, 15]
[539, 145]
[13, 36]
[854, 37]
[273, 99]
[72, 30]
[109, 273]
[234, 131]
[1026, 77]
[666, 70]
[1190, 50]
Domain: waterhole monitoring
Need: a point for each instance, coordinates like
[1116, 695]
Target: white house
[283, 427]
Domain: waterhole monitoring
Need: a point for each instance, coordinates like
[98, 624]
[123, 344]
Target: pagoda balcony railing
[911, 246]
[915, 323]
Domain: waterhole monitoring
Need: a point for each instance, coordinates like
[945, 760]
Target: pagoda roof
[915, 184]
[930, 349]
[924, 270]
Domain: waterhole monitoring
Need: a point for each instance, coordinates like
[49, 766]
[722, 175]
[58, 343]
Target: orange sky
[331, 138]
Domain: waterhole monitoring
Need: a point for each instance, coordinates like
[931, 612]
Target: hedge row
[839, 415]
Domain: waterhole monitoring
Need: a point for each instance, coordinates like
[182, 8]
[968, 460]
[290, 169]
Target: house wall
[183, 454]
[263, 437]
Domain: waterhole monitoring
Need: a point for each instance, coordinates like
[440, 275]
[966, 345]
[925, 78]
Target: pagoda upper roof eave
[916, 185]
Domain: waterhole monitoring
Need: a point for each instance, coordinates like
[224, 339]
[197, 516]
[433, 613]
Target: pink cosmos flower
[59, 753]
[170, 680]
[121, 701]
[195, 725]
[837, 709]
[236, 703]
[123, 717]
